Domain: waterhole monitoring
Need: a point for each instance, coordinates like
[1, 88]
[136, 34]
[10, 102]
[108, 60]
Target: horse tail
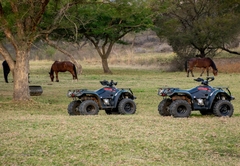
[186, 65]
[75, 71]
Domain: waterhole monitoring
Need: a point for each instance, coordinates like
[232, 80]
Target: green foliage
[203, 26]
[103, 21]
[104, 24]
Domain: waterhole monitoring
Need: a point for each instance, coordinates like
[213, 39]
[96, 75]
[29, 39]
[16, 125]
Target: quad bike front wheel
[73, 107]
[223, 108]
[180, 108]
[88, 107]
[127, 106]
[163, 107]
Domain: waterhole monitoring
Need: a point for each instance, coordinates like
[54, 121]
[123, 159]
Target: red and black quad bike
[109, 98]
[204, 98]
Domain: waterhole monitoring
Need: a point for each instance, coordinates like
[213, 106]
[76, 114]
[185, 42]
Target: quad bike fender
[123, 93]
[181, 94]
[219, 95]
[90, 95]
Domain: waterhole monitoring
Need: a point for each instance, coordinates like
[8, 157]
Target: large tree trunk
[104, 52]
[21, 70]
[105, 66]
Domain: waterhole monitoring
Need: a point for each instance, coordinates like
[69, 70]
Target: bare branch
[229, 51]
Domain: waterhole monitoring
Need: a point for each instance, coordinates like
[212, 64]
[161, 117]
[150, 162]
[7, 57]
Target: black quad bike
[204, 98]
[108, 98]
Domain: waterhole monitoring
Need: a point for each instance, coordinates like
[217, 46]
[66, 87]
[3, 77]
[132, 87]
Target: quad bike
[108, 98]
[204, 98]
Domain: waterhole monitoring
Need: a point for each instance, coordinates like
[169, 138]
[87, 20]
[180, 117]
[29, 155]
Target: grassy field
[42, 133]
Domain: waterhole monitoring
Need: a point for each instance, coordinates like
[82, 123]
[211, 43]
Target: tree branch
[229, 51]
[79, 67]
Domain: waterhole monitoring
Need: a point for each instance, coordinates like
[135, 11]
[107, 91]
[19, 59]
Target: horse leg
[190, 70]
[6, 76]
[188, 73]
[56, 73]
[202, 71]
[74, 77]
[207, 71]
[192, 73]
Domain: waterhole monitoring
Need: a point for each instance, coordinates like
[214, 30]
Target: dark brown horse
[6, 70]
[62, 67]
[204, 63]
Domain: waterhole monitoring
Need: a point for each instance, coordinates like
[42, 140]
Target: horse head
[51, 76]
[215, 72]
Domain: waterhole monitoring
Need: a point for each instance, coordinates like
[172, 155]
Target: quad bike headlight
[106, 101]
[160, 91]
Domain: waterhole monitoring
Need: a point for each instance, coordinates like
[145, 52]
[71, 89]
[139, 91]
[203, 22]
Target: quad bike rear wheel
[88, 107]
[163, 107]
[127, 106]
[180, 108]
[223, 108]
[73, 107]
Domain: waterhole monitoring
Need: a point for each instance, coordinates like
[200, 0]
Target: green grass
[42, 133]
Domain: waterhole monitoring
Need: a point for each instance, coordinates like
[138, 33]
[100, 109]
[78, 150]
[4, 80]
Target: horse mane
[213, 64]
[51, 70]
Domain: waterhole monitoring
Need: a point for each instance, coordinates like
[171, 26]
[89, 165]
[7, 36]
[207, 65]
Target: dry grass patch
[42, 133]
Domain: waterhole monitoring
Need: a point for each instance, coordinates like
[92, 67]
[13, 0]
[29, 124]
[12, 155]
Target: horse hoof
[57, 81]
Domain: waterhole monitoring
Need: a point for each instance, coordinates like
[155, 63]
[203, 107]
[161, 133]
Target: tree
[105, 23]
[198, 26]
[20, 26]
[51, 24]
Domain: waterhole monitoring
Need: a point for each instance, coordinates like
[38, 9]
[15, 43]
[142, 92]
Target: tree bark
[229, 51]
[102, 52]
[21, 70]
[105, 66]
[7, 57]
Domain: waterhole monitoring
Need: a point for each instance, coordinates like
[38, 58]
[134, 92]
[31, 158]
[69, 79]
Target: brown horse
[204, 63]
[62, 67]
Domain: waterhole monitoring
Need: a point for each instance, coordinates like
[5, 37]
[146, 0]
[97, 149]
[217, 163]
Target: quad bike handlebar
[204, 82]
[106, 83]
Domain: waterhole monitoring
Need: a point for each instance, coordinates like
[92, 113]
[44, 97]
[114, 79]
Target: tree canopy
[20, 26]
[198, 26]
[105, 23]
